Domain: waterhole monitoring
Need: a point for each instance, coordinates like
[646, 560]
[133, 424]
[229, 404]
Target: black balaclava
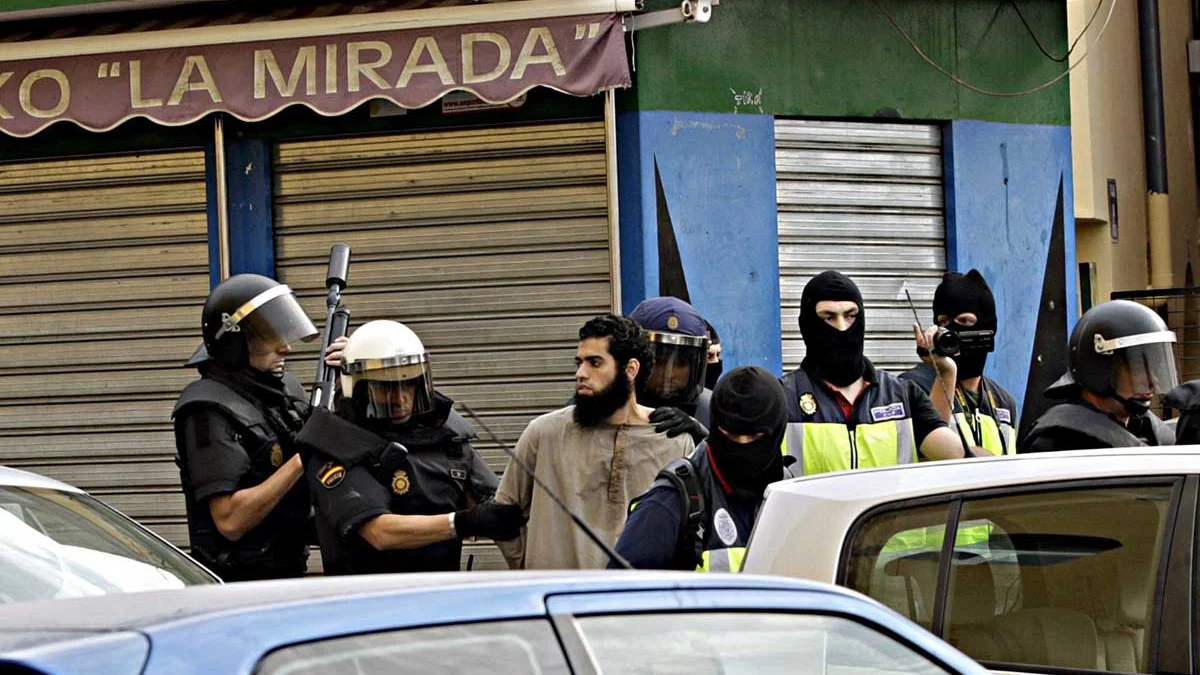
[749, 400]
[958, 294]
[832, 355]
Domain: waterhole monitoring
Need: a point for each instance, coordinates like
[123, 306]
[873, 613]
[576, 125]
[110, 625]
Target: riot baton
[337, 319]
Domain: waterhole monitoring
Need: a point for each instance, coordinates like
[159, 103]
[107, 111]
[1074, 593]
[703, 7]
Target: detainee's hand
[333, 353]
[945, 366]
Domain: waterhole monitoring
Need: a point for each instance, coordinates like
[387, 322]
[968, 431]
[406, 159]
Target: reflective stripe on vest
[822, 447]
[722, 560]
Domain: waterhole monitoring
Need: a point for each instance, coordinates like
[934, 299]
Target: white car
[56, 541]
[1055, 562]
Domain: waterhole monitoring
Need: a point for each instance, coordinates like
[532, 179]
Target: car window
[728, 643]
[56, 544]
[496, 648]
[1061, 578]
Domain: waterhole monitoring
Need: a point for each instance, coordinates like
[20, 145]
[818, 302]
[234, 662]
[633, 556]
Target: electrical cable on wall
[988, 92]
[1042, 48]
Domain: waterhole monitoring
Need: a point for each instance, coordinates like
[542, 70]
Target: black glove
[673, 422]
[501, 522]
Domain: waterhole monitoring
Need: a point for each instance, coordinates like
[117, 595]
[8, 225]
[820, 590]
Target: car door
[1093, 575]
[759, 631]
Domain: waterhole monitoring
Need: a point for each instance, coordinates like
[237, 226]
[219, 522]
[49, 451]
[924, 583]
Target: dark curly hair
[626, 340]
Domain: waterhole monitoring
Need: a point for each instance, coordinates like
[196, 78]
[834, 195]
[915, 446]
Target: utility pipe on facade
[1158, 212]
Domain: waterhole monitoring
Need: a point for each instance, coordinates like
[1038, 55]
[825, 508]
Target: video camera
[952, 343]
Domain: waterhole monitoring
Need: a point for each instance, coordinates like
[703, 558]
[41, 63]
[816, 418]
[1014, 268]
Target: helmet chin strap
[1134, 406]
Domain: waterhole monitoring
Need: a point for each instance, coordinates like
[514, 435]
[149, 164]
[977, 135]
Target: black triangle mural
[1048, 361]
[671, 279]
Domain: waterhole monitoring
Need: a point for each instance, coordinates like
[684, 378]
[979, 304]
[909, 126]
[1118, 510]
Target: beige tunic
[595, 470]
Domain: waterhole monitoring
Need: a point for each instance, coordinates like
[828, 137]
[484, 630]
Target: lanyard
[972, 418]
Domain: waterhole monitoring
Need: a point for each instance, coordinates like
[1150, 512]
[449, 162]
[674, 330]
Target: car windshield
[56, 544]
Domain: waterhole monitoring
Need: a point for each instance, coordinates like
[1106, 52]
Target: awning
[330, 64]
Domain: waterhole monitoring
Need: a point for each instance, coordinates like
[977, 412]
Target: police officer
[716, 364]
[699, 512]
[247, 506]
[985, 414]
[676, 386]
[396, 482]
[1120, 356]
[842, 412]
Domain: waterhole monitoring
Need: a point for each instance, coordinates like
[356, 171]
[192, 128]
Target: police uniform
[655, 536]
[885, 427]
[1080, 426]
[424, 467]
[233, 429]
[985, 420]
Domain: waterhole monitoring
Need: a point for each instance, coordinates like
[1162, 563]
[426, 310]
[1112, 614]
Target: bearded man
[596, 454]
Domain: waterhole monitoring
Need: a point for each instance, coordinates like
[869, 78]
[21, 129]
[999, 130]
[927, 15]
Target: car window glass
[57, 544]
[497, 648]
[894, 559]
[1061, 579]
[700, 643]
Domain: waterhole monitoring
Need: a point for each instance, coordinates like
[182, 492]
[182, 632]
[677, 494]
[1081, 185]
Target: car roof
[136, 611]
[932, 478]
[11, 477]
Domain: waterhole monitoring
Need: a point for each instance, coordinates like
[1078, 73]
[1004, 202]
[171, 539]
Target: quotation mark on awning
[109, 70]
[588, 30]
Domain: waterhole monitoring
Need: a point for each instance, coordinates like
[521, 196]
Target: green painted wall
[842, 58]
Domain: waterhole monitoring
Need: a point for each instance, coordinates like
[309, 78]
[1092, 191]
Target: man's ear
[632, 368]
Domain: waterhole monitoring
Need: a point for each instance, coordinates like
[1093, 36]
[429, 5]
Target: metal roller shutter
[864, 199]
[492, 244]
[105, 268]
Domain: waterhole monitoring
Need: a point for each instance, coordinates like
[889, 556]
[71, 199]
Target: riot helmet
[246, 308]
[679, 337]
[386, 373]
[1121, 350]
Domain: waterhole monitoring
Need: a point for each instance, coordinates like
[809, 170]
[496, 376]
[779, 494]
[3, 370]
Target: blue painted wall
[251, 215]
[1002, 185]
[718, 176]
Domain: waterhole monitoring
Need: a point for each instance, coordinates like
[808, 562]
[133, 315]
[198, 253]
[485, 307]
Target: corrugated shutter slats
[865, 199]
[106, 268]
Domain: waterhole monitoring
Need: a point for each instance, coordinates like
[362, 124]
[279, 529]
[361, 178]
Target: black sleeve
[482, 481]
[216, 461]
[925, 417]
[652, 530]
[346, 498]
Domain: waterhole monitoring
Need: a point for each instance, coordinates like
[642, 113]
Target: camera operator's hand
[945, 366]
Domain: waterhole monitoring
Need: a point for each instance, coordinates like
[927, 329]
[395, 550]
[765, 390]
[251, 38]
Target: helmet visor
[274, 318]
[394, 392]
[679, 365]
[1144, 369]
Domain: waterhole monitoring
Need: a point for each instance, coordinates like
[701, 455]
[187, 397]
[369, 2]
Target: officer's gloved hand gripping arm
[350, 497]
[673, 422]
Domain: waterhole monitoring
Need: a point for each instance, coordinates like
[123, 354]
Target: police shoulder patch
[725, 527]
[808, 404]
[400, 482]
[330, 475]
[884, 413]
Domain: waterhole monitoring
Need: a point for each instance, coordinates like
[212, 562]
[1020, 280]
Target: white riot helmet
[386, 372]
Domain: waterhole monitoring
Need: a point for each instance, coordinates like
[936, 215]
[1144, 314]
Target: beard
[591, 411]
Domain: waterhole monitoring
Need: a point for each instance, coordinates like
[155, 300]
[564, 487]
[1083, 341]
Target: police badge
[400, 483]
[808, 404]
[276, 455]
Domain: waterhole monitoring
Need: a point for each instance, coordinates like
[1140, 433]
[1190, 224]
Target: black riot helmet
[248, 307]
[1120, 346]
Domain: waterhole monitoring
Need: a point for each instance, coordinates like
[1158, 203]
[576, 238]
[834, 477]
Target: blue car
[477, 623]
